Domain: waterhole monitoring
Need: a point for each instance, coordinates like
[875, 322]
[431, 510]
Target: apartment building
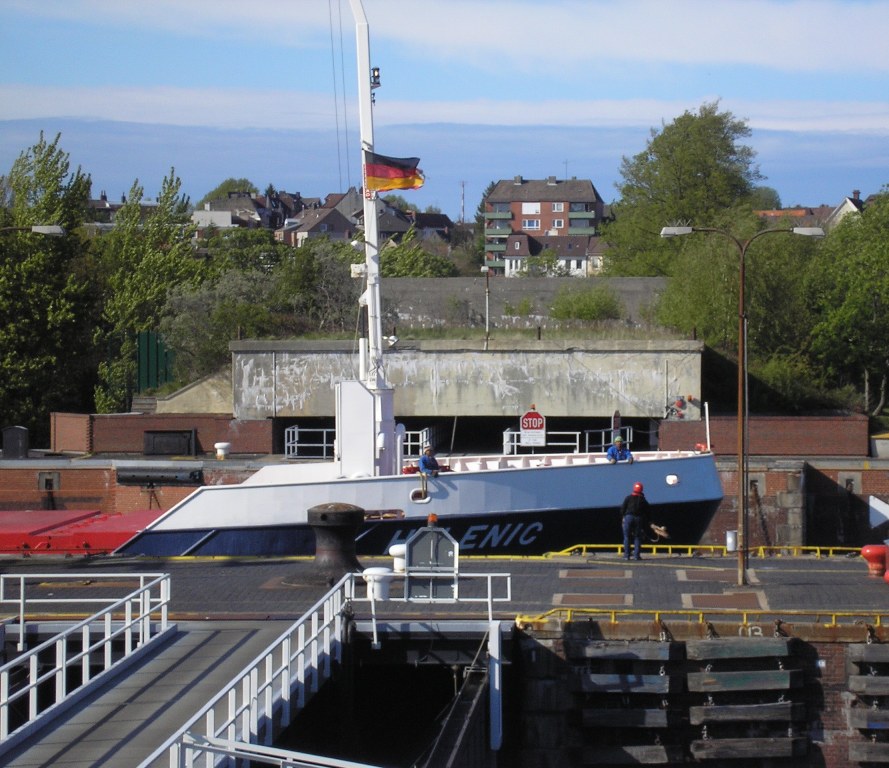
[525, 218]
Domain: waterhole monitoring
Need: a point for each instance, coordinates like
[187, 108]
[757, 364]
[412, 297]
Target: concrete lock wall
[456, 378]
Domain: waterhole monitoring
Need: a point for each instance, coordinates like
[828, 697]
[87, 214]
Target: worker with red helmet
[634, 519]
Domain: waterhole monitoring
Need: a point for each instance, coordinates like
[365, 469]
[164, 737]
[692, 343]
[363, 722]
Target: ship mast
[371, 353]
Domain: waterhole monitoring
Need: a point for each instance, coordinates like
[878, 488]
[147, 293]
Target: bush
[593, 305]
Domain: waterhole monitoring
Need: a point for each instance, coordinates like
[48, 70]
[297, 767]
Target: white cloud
[803, 36]
[249, 108]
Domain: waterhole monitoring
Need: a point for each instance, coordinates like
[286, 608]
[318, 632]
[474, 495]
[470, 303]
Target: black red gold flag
[382, 173]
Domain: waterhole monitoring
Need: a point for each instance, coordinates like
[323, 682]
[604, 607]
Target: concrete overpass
[584, 379]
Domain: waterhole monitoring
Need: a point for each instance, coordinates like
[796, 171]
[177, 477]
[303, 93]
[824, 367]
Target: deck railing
[38, 682]
[262, 700]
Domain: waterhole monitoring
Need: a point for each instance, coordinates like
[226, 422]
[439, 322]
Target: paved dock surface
[228, 611]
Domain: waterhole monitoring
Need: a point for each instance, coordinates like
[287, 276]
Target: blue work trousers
[632, 530]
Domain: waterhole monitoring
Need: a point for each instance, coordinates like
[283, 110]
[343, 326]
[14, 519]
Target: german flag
[383, 173]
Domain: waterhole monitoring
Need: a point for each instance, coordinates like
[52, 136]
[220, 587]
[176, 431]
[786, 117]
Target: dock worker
[634, 518]
[428, 467]
[619, 452]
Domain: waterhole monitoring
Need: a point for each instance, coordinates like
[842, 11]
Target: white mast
[372, 373]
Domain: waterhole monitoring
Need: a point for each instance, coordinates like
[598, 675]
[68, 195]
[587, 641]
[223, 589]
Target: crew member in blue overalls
[427, 466]
[619, 452]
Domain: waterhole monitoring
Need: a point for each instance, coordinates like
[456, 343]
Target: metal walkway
[123, 724]
[229, 611]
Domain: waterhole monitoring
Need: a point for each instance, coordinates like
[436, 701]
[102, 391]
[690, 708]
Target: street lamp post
[487, 270]
[742, 246]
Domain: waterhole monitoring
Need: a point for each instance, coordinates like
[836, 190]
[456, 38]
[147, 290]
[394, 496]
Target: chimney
[856, 194]
[517, 180]
[551, 181]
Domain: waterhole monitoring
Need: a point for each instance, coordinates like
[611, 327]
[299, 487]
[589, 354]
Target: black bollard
[335, 526]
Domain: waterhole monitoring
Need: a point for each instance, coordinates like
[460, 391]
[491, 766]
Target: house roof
[312, 219]
[549, 190]
[564, 247]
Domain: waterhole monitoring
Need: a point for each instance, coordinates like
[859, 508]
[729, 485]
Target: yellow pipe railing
[701, 616]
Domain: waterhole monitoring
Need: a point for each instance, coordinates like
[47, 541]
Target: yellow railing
[828, 619]
[690, 550]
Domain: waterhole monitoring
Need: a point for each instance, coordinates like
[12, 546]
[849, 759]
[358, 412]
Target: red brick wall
[95, 488]
[124, 432]
[774, 435]
[70, 432]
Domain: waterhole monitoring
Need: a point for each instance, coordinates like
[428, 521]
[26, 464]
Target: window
[530, 223]
[517, 245]
[558, 223]
[558, 207]
[531, 208]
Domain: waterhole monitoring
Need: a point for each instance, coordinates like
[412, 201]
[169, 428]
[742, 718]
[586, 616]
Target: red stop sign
[533, 421]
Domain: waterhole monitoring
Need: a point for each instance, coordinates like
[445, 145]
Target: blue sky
[480, 91]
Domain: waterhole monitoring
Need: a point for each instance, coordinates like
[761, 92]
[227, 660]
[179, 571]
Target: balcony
[498, 231]
[502, 215]
[581, 230]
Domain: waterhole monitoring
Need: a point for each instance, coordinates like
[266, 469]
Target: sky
[480, 91]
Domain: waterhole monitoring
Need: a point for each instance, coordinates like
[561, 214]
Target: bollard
[335, 526]
[377, 582]
[875, 555]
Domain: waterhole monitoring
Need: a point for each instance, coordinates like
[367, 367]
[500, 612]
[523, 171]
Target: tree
[239, 248]
[314, 288]
[145, 256]
[408, 259]
[227, 186]
[701, 298]
[850, 287]
[198, 323]
[545, 264]
[764, 198]
[45, 293]
[692, 171]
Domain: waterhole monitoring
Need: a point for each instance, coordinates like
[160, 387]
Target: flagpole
[373, 374]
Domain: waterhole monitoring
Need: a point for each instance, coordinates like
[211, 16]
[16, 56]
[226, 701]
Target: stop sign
[533, 429]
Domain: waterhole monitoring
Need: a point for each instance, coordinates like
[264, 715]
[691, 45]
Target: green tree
[45, 294]
[764, 198]
[409, 259]
[198, 323]
[691, 171]
[239, 248]
[314, 290]
[544, 264]
[850, 289]
[701, 298]
[227, 186]
[147, 254]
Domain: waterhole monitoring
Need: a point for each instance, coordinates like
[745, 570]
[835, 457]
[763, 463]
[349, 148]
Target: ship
[506, 504]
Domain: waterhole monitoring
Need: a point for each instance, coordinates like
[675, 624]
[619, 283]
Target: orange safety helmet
[637, 489]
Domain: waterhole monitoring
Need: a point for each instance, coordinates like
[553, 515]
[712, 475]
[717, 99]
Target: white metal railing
[318, 442]
[588, 441]
[446, 578]
[308, 442]
[262, 700]
[136, 619]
